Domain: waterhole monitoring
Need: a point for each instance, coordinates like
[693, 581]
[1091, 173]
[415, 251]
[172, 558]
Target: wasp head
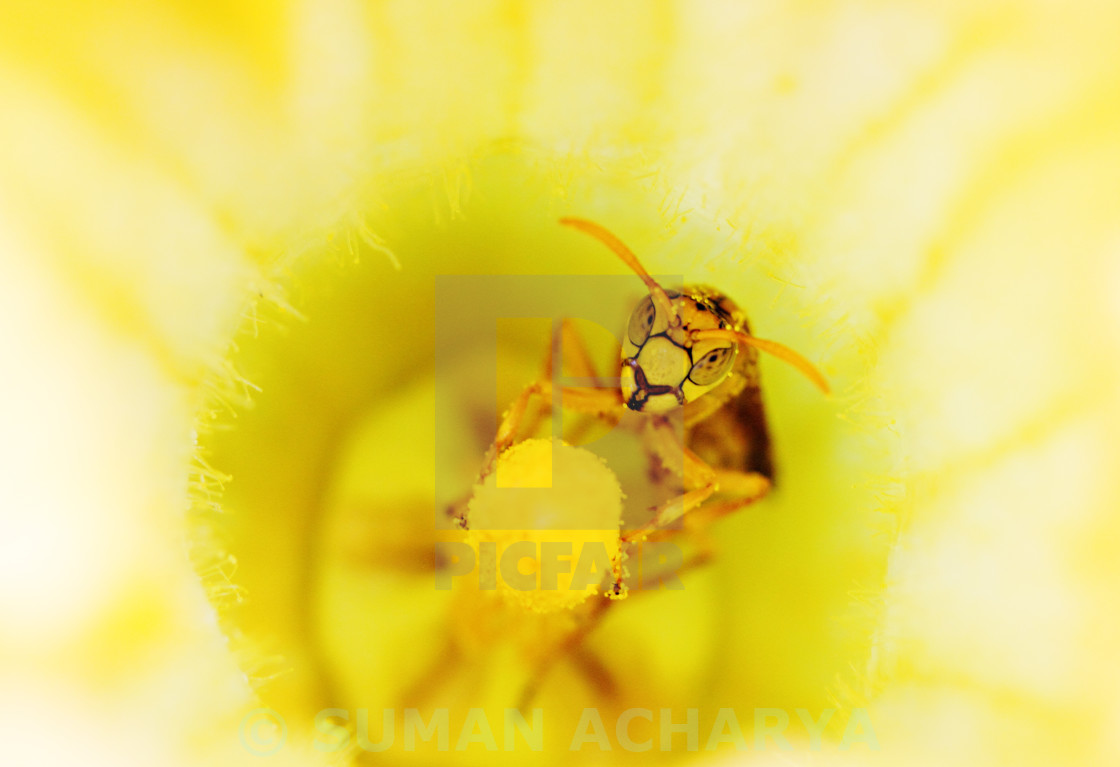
[663, 367]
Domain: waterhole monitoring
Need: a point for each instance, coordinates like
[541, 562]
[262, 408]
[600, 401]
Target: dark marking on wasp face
[696, 309]
[643, 389]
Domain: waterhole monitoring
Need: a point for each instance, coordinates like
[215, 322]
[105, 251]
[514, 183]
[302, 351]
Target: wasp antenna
[660, 297]
[772, 348]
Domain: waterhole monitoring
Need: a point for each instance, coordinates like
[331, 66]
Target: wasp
[688, 349]
[689, 363]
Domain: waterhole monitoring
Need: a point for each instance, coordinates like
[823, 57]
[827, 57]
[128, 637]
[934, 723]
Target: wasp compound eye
[713, 366]
[641, 321]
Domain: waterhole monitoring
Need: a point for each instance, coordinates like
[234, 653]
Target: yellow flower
[202, 215]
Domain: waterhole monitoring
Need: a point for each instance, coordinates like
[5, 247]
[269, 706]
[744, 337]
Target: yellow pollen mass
[550, 525]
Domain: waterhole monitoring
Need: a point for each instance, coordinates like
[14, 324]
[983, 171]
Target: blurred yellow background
[209, 354]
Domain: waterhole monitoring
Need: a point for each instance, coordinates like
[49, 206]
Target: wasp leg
[703, 481]
[600, 402]
[744, 487]
[598, 397]
[571, 645]
[700, 480]
[507, 431]
[576, 362]
[575, 354]
[590, 401]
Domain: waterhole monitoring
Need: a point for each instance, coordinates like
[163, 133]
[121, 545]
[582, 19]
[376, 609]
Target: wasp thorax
[662, 369]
